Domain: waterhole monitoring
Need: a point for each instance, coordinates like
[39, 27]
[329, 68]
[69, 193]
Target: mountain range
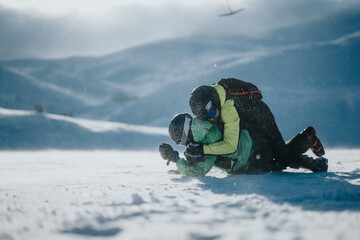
[309, 75]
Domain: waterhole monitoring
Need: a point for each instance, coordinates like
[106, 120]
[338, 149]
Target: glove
[168, 153]
[194, 153]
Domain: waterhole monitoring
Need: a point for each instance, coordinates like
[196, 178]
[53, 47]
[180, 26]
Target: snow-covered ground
[130, 195]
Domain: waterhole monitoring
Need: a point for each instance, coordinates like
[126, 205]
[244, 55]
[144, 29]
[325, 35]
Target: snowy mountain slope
[129, 195]
[147, 85]
[30, 130]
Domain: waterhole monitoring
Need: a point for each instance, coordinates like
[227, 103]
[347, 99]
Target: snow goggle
[209, 115]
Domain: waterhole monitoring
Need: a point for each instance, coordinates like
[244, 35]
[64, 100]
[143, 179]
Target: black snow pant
[258, 119]
[260, 160]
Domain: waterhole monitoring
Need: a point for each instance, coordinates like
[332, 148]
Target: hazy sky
[55, 29]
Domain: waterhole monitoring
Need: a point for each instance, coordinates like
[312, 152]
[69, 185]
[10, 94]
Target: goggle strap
[185, 132]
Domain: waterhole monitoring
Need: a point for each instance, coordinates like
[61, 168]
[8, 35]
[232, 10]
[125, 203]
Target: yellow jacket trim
[231, 120]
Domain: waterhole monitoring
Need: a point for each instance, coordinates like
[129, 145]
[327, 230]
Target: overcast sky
[56, 29]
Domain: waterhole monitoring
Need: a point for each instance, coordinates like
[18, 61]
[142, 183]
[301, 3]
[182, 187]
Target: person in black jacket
[218, 102]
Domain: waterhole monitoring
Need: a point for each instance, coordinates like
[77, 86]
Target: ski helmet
[179, 128]
[204, 100]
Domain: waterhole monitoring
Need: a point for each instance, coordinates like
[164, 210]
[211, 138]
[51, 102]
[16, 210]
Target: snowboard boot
[314, 142]
[314, 164]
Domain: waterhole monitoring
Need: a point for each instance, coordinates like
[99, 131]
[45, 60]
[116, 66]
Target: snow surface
[129, 195]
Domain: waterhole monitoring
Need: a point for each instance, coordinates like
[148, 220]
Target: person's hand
[194, 153]
[168, 153]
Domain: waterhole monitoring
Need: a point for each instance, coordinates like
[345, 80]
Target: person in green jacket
[236, 105]
[247, 158]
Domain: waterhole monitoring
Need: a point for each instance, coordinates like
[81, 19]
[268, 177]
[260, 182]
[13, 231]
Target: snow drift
[128, 195]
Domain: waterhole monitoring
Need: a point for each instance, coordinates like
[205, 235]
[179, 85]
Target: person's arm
[205, 132]
[231, 120]
[198, 170]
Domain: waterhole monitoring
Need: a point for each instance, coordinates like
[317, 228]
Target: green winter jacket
[209, 133]
[231, 120]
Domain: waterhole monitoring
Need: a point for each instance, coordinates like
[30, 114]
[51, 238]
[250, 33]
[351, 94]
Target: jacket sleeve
[231, 120]
[199, 170]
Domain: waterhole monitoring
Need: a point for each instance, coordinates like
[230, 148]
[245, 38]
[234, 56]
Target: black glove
[194, 153]
[168, 153]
